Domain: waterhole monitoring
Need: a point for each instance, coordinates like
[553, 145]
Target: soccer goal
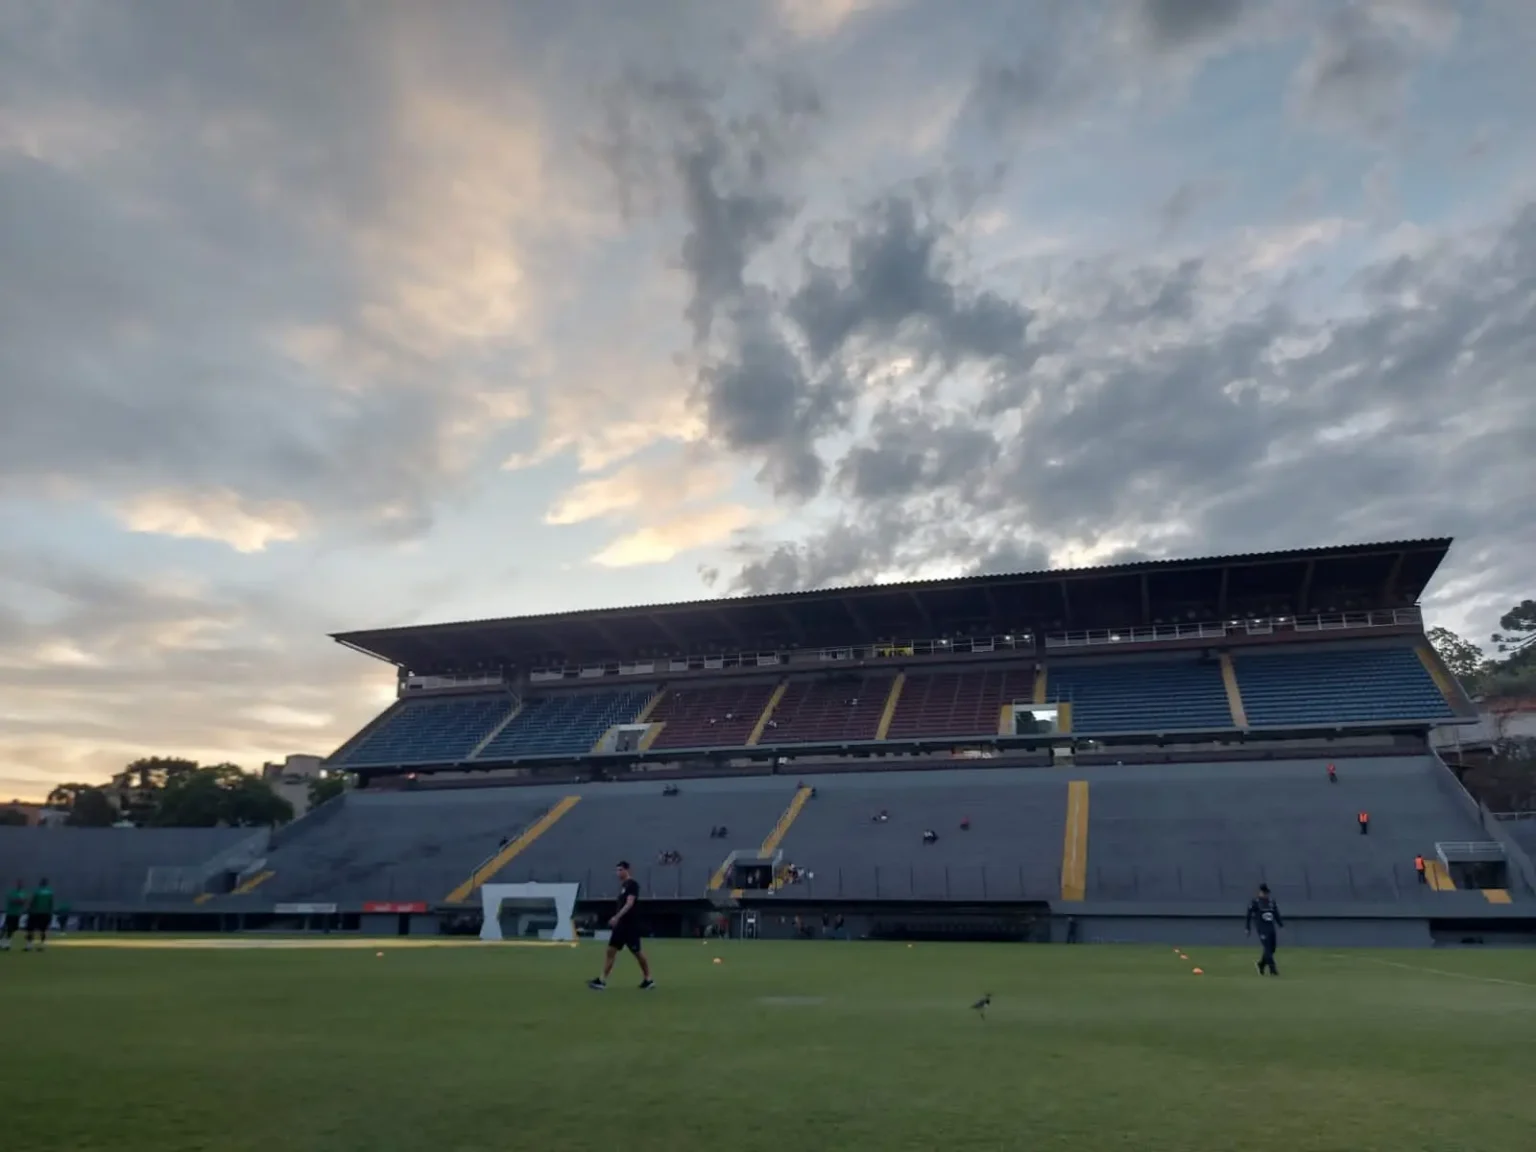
[547, 909]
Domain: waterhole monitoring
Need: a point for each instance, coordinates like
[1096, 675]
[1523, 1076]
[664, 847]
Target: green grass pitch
[779, 1046]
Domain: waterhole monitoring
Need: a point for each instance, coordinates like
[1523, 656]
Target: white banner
[304, 909]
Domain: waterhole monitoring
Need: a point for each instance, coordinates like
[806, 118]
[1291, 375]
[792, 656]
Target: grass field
[779, 1046]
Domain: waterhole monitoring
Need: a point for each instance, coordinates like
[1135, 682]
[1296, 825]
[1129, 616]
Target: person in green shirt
[16, 902]
[39, 915]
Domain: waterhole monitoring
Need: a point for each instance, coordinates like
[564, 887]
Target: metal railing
[1249, 626]
[1231, 886]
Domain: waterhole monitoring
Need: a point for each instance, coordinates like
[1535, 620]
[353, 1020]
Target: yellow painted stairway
[1438, 877]
[499, 861]
[1439, 674]
[1074, 843]
[771, 843]
[251, 883]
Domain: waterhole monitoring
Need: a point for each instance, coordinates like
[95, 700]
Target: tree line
[170, 792]
[1507, 667]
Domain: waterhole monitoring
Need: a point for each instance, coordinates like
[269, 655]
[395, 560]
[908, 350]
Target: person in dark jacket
[1264, 914]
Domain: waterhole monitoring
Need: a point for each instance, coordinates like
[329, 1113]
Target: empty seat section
[1338, 686]
[637, 823]
[565, 723]
[440, 730]
[711, 715]
[845, 707]
[1011, 851]
[958, 703]
[397, 845]
[1215, 831]
[107, 864]
[1141, 696]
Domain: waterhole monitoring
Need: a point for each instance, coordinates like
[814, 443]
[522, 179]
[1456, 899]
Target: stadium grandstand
[1114, 753]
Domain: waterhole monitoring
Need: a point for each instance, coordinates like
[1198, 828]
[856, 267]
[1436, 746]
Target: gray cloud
[1185, 200]
[1264, 430]
[898, 288]
[759, 399]
[906, 456]
[1078, 55]
[892, 290]
[185, 209]
[1358, 70]
[729, 171]
[1175, 23]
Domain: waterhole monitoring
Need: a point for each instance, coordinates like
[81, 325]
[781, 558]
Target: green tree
[251, 803]
[153, 773]
[327, 787]
[220, 794]
[1463, 658]
[91, 809]
[63, 795]
[1517, 639]
[83, 805]
[1513, 671]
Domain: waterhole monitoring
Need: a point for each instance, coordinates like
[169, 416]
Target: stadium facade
[1116, 753]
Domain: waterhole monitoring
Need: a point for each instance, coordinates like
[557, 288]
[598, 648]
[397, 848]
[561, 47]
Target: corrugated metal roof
[725, 603]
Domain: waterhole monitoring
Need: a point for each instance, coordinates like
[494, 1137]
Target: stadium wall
[1340, 932]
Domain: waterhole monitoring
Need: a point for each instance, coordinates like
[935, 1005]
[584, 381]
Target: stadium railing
[1518, 860]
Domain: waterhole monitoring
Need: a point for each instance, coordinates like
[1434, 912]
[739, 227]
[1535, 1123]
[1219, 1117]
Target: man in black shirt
[1264, 914]
[625, 926]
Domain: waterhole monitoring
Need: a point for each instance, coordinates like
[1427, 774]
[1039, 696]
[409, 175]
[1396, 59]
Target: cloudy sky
[319, 315]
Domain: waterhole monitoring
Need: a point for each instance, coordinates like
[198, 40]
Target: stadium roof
[1392, 574]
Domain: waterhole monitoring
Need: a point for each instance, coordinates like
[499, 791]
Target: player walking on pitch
[39, 915]
[625, 931]
[16, 902]
[1264, 914]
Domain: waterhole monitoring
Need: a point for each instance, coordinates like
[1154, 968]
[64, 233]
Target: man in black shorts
[39, 915]
[625, 926]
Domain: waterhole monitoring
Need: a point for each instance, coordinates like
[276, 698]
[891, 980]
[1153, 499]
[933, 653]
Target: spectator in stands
[1418, 866]
[930, 837]
[1365, 823]
[1333, 774]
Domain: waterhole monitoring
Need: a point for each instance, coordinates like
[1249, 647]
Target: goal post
[530, 898]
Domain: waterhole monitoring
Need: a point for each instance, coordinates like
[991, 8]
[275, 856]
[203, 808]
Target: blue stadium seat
[565, 723]
[440, 730]
[1158, 696]
[1338, 686]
